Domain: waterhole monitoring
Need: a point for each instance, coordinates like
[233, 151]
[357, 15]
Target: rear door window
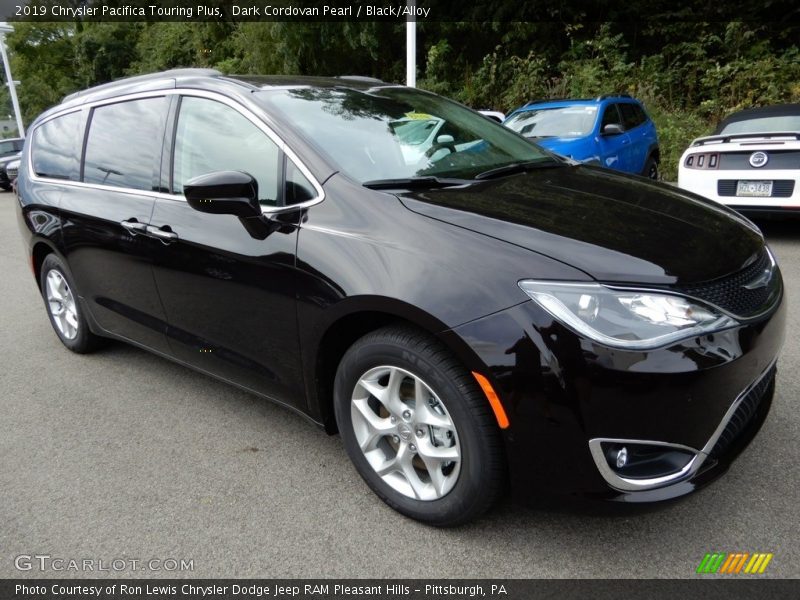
[630, 117]
[124, 144]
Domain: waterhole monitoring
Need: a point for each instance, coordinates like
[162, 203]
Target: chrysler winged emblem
[761, 279]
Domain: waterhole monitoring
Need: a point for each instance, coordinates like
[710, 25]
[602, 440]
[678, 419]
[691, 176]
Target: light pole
[12, 90]
[411, 48]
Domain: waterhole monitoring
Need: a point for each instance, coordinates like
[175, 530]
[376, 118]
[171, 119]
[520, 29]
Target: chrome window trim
[632, 485]
[237, 106]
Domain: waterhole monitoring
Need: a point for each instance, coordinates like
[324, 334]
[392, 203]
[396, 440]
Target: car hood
[615, 228]
[550, 142]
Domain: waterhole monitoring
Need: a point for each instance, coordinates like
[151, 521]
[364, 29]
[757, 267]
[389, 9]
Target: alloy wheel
[405, 432]
[61, 304]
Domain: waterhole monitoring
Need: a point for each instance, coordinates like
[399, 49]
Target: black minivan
[466, 309]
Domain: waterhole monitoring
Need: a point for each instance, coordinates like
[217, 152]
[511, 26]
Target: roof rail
[142, 78]
[540, 100]
[604, 96]
[363, 78]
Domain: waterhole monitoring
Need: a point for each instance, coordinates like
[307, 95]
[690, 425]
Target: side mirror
[445, 139]
[613, 129]
[224, 193]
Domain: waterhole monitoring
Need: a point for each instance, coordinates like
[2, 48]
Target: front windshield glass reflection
[397, 132]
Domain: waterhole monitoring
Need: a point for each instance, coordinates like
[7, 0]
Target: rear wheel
[63, 308]
[651, 169]
[417, 428]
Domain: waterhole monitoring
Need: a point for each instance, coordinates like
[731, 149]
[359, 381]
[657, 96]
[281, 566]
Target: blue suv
[611, 131]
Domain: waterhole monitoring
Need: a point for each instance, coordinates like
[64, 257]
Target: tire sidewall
[363, 357]
[81, 342]
[651, 163]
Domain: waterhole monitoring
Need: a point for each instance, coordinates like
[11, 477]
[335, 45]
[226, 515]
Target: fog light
[639, 465]
[622, 457]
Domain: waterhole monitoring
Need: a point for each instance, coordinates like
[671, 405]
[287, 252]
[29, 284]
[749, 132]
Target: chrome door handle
[162, 234]
[133, 226]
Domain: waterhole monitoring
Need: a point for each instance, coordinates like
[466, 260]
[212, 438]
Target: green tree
[43, 60]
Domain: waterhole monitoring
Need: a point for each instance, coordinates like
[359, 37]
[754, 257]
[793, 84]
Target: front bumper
[561, 391]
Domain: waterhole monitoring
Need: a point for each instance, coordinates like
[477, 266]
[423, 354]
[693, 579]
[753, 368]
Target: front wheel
[417, 428]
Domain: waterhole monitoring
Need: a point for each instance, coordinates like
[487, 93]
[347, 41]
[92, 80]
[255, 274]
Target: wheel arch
[40, 251]
[348, 325]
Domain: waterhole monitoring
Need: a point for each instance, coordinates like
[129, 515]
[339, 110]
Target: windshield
[7, 148]
[775, 124]
[398, 133]
[567, 121]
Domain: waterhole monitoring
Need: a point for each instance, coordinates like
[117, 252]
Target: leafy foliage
[689, 74]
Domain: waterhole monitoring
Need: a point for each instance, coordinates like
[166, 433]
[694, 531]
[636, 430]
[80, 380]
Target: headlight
[630, 319]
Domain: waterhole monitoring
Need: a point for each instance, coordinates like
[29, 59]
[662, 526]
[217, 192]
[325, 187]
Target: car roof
[564, 102]
[776, 110]
[209, 78]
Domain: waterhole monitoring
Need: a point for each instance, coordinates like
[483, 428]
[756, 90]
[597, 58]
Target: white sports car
[751, 163]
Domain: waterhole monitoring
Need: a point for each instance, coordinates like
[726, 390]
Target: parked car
[612, 131]
[751, 162]
[5, 179]
[494, 115]
[11, 146]
[11, 169]
[486, 314]
[424, 137]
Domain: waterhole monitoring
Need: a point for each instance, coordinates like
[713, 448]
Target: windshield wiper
[519, 167]
[412, 182]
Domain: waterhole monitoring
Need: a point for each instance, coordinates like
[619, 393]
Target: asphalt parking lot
[122, 455]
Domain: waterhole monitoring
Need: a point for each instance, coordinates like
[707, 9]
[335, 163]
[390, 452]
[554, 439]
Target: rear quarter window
[56, 148]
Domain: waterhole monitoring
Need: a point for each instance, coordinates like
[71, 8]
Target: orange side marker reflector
[494, 401]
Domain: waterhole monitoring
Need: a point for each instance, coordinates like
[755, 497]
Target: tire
[454, 477]
[650, 168]
[63, 309]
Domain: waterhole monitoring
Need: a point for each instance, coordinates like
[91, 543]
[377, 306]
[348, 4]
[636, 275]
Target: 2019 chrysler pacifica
[464, 313]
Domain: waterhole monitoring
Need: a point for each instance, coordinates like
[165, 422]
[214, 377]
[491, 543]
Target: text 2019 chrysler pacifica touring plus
[464, 314]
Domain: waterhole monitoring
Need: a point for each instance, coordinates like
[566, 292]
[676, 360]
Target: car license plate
[754, 188]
